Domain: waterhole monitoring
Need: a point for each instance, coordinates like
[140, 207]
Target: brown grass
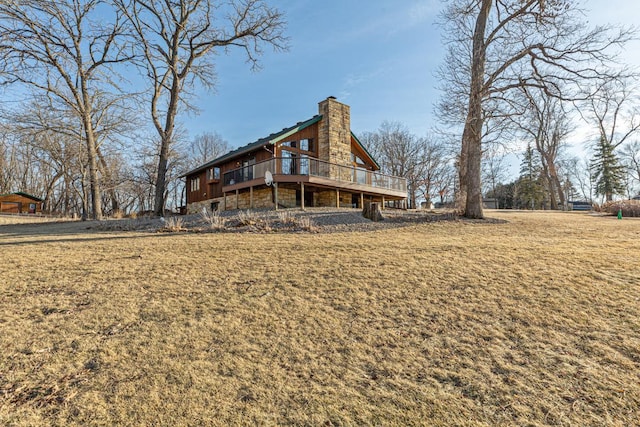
[533, 322]
[29, 219]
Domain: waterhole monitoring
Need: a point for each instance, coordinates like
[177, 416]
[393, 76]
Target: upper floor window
[213, 174]
[302, 145]
[195, 184]
[356, 159]
[307, 144]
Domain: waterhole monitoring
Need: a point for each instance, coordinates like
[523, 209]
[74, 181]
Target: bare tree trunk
[471, 152]
[161, 180]
[111, 189]
[165, 143]
[94, 184]
[555, 182]
[166, 139]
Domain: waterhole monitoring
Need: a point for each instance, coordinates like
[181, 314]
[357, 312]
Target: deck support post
[361, 200]
[275, 187]
[337, 198]
[302, 195]
[224, 195]
[251, 197]
[382, 207]
[237, 198]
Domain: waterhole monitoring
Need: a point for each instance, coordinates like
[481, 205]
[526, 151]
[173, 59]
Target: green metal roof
[262, 142]
[365, 150]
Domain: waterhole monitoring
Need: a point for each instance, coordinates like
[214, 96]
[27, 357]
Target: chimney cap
[331, 97]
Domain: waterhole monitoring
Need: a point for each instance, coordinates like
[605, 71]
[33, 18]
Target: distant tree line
[513, 69]
[426, 162]
[77, 65]
[88, 75]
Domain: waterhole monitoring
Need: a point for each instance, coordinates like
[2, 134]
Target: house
[20, 203]
[317, 162]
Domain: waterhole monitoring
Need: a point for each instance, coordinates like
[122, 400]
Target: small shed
[20, 203]
[490, 203]
[579, 205]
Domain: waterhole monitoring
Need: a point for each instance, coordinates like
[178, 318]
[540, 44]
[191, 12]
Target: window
[246, 172]
[304, 164]
[289, 163]
[356, 159]
[213, 174]
[292, 144]
[306, 144]
[195, 184]
[302, 145]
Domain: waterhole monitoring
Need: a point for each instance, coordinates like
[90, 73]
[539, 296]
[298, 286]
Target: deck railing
[309, 166]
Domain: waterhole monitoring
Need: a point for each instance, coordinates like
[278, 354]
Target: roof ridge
[270, 139]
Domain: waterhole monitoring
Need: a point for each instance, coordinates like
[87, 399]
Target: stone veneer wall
[328, 199]
[334, 134]
[261, 199]
[286, 198]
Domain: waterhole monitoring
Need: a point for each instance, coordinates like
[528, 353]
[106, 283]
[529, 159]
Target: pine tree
[530, 189]
[606, 170]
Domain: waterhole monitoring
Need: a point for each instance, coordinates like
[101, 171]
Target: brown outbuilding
[20, 203]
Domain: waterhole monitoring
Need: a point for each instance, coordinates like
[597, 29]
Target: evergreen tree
[606, 170]
[530, 188]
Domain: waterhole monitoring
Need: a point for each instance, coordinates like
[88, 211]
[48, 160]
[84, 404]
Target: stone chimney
[334, 132]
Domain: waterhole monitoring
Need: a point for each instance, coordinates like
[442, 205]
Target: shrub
[630, 208]
[213, 219]
[286, 217]
[306, 223]
[253, 220]
[247, 218]
[173, 223]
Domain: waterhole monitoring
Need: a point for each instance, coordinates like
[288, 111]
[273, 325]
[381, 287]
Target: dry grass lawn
[26, 219]
[529, 323]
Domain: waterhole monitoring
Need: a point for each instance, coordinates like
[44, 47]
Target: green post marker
[619, 213]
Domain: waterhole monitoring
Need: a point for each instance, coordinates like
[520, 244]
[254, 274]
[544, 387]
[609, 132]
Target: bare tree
[435, 167]
[630, 155]
[178, 40]
[207, 146]
[578, 169]
[8, 167]
[61, 49]
[614, 110]
[399, 153]
[424, 162]
[505, 45]
[548, 124]
[493, 170]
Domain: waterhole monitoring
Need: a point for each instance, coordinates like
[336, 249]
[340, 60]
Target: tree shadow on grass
[65, 232]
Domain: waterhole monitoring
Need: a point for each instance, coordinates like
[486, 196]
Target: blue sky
[377, 56]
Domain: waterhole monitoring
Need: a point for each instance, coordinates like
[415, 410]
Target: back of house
[316, 162]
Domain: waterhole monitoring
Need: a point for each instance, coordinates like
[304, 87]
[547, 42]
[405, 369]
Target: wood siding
[310, 132]
[16, 203]
[213, 189]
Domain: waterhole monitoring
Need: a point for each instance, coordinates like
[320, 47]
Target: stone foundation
[263, 198]
[328, 199]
